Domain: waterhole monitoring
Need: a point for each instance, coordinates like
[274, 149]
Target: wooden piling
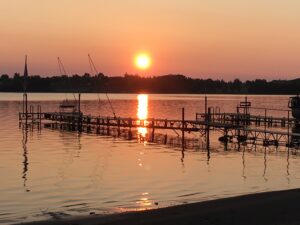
[165, 139]
[152, 135]
[130, 131]
[265, 124]
[207, 129]
[119, 127]
[205, 104]
[183, 128]
[79, 120]
[107, 126]
[288, 127]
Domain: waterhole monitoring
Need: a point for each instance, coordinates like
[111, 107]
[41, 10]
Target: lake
[48, 173]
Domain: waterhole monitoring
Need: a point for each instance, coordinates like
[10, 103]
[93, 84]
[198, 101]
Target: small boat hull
[296, 113]
[294, 105]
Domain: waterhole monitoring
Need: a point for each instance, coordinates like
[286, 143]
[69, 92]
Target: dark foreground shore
[276, 208]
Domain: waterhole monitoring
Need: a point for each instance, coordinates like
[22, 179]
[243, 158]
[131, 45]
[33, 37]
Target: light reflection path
[142, 114]
[144, 202]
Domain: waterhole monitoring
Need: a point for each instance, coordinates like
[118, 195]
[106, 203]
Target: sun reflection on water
[142, 114]
[144, 201]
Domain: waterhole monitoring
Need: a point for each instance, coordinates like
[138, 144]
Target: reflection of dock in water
[25, 156]
[25, 170]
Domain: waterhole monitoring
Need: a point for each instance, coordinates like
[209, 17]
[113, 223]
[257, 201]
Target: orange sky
[221, 39]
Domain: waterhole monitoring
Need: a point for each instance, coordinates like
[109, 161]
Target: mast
[61, 67]
[63, 72]
[25, 103]
[95, 71]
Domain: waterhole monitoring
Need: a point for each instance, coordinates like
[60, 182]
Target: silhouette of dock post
[165, 139]
[153, 130]
[265, 125]
[288, 127]
[25, 99]
[119, 128]
[205, 104]
[130, 131]
[207, 116]
[182, 130]
[207, 120]
[79, 122]
[31, 113]
[25, 106]
[98, 126]
[39, 109]
[108, 126]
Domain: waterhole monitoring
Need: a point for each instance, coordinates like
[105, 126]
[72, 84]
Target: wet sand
[276, 208]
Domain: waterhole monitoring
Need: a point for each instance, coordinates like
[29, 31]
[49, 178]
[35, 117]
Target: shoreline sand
[276, 208]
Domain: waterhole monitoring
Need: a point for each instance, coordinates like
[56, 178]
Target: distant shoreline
[167, 84]
[276, 208]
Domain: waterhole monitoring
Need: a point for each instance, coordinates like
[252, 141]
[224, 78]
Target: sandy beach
[279, 207]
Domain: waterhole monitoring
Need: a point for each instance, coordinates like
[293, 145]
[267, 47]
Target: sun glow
[143, 61]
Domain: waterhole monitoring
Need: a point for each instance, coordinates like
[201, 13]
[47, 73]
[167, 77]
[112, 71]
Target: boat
[68, 106]
[294, 105]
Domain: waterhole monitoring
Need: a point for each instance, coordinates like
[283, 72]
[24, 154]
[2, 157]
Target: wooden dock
[233, 127]
[257, 120]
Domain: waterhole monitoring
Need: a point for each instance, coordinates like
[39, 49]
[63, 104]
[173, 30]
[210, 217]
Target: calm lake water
[51, 173]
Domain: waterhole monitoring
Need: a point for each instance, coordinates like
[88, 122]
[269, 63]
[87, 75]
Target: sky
[218, 39]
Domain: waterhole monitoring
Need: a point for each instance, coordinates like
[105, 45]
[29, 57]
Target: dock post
[119, 129]
[265, 124]
[108, 126]
[165, 139]
[238, 115]
[207, 129]
[79, 102]
[288, 127]
[25, 106]
[79, 114]
[88, 124]
[205, 104]
[152, 135]
[245, 113]
[40, 116]
[31, 113]
[25, 101]
[226, 142]
[182, 130]
[130, 132]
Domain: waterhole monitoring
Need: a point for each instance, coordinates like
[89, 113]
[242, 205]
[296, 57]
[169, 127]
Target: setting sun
[142, 61]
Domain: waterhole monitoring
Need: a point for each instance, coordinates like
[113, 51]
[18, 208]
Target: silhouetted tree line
[136, 84]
